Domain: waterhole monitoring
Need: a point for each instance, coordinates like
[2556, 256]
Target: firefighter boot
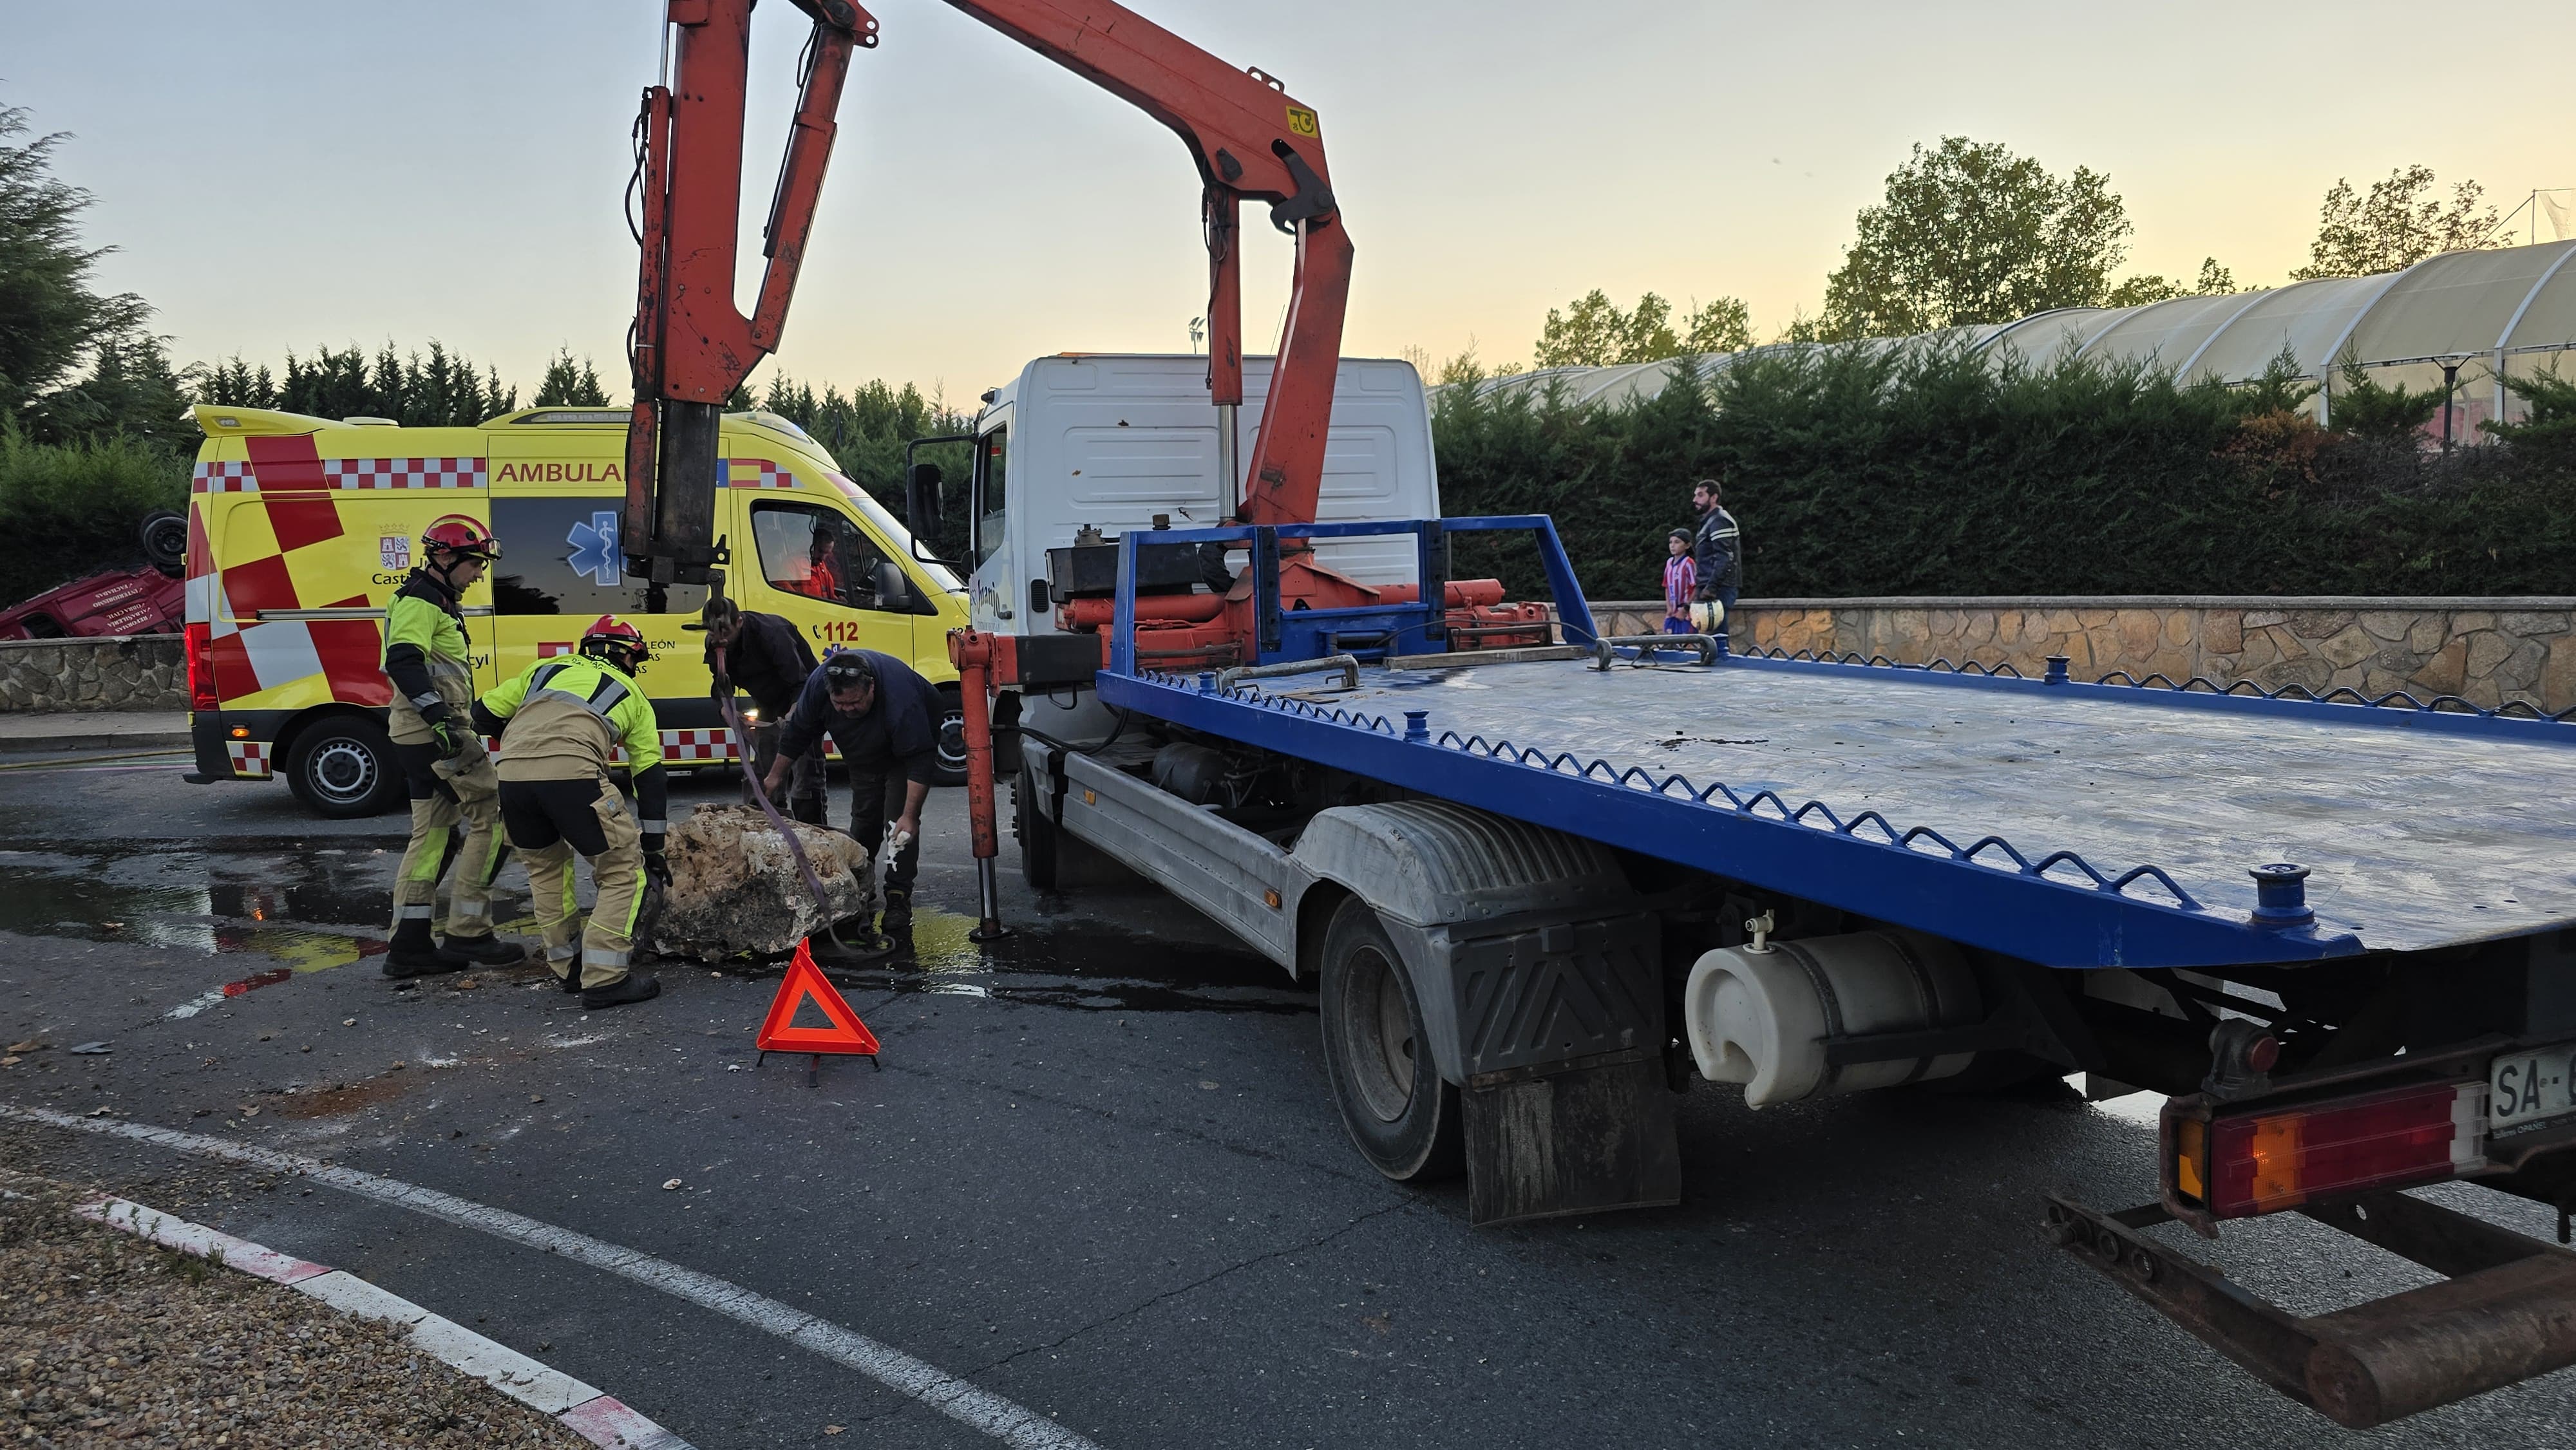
[897, 920]
[486, 950]
[633, 987]
[414, 954]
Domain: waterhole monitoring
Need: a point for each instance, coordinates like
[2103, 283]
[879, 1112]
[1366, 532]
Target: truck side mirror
[893, 590]
[921, 499]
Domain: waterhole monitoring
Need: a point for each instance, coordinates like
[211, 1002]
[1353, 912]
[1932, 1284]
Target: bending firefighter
[450, 776]
[563, 717]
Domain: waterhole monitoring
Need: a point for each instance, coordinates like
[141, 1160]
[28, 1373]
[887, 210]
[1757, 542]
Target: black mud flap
[1585, 1137]
[2506, 1311]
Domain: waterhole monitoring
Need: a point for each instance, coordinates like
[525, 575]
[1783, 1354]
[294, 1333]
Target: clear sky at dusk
[279, 175]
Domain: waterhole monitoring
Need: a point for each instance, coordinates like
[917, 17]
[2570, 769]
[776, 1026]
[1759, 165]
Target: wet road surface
[1099, 1174]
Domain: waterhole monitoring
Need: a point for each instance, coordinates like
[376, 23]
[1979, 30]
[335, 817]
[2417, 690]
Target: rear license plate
[2526, 1089]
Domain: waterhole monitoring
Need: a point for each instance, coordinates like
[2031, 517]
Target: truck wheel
[1402, 1117]
[951, 769]
[1038, 835]
[343, 767]
[165, 542]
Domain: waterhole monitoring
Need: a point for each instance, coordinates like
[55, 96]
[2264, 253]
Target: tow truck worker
[449, 775]
[766, 658]
[885, 718]
[563, 716]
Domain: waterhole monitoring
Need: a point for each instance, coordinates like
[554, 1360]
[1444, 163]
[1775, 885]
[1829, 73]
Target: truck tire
[342, 767]
[1400, 1115]
[951, 769]
[165, 542]
[1038, 836]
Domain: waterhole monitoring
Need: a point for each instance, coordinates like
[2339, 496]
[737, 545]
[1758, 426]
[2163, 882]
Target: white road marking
[976, 1408]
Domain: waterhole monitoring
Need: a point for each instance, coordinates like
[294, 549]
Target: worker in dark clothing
[885, 718]
[765, 657]
[1717, 556]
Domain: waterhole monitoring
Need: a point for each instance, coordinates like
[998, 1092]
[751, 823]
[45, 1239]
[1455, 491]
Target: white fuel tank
[1761, 1018]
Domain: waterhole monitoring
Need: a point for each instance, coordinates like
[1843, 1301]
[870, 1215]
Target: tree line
[1969, 232]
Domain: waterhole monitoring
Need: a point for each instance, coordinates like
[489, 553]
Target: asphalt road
[1099, 1175]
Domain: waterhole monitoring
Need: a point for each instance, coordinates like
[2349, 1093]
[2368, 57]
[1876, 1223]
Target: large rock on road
[735, 889]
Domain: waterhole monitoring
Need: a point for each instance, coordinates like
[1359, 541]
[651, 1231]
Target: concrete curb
[583, 1409]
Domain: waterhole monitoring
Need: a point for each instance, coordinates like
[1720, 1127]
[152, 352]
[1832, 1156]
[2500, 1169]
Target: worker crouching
[885, 718]
[563, 716]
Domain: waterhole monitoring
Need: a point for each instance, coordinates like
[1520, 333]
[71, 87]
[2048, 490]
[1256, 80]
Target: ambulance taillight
[200, 643]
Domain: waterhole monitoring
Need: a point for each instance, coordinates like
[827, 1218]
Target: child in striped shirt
[1681, 580]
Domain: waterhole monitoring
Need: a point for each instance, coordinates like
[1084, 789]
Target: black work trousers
[876, 797]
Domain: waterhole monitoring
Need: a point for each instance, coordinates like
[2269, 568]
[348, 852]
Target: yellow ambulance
[300, 529]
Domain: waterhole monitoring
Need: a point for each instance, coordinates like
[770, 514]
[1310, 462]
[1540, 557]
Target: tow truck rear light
[2256, 1162]
[199, 641]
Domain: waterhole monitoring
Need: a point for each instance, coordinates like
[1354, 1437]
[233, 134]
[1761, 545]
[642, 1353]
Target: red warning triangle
[805, 982]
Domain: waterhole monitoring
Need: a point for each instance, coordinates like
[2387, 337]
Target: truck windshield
[991, 496]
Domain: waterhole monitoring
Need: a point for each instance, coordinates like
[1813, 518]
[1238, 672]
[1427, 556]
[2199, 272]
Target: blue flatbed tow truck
[1540, 890]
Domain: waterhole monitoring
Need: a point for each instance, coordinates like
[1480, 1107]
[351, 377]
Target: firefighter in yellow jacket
[443, 761]
[557, 722]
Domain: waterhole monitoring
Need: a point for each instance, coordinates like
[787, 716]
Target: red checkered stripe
[388, 473]
[234, 477]
[694, 745]
[757, 473]
[250, 758]
[691, 747]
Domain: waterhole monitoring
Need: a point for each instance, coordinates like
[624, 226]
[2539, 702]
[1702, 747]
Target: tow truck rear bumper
[2506, 1311]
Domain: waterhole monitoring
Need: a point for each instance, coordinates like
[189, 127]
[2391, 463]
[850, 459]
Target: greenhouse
[2468, 320]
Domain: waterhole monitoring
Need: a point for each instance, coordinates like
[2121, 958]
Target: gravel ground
[106, 1339]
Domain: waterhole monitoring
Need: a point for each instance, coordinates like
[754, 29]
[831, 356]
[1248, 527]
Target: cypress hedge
[1928, 470]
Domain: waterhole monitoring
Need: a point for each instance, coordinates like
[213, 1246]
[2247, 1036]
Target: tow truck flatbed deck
[1954, 801]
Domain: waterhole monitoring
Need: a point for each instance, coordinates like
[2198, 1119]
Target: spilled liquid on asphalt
[1085, 967]
[287, 908]
[307, 908]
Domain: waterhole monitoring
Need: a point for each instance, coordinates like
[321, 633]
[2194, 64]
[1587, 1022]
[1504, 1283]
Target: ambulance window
[817, 553]
[993, 454]
[561, 555]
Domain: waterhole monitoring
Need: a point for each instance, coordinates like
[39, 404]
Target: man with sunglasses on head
[885, 719]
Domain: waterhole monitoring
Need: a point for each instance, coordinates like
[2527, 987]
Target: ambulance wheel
[951, 769]
[1038, 835]
[1402, 1117]
[165, 542]
[342, 767]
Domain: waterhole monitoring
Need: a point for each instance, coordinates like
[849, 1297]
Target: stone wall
[121, 672]
[2487, 651]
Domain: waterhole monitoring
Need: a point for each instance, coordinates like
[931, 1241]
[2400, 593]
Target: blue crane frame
[2057, 910]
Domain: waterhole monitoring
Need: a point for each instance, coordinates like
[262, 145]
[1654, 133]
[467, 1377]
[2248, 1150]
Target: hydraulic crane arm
[691, 345]
[1250, 139]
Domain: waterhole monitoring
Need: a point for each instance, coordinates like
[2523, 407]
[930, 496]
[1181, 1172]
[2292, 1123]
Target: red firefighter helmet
[614, 640]
[462, 536]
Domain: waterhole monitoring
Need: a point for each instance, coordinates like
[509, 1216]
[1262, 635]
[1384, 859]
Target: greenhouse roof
[2487, 307]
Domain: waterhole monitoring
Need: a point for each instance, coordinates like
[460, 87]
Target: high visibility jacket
[426, 657]
[560, 719]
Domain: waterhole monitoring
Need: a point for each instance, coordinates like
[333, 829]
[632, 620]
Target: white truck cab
[1111, 442]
